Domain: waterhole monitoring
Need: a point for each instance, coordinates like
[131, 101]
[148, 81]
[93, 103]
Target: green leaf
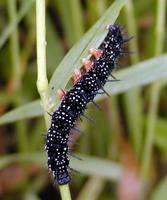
[137, 75]
[160, 192]
[160, 135]
[98, 167]
[29, 110]
[69, 11]
[54, 49]
[89, 165]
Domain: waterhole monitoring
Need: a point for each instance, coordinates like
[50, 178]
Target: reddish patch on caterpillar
[77, 75]
[96, 52]
[88, 64]
[61, 94]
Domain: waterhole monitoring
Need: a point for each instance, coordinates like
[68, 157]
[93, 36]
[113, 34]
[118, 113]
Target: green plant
[21, 89]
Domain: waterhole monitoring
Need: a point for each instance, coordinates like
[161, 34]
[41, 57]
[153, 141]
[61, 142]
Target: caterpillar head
[113, 29]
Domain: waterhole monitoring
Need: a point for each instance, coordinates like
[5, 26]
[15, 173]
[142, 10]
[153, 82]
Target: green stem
[69, 11]
[151, 120]
[22, 141]
[42, 81]
[132, 29]
[14, 41]
[74, 7]
[9, 29]
[154, 91]
[92, 188]
[160, 27]
[133, 115]
[65, 192]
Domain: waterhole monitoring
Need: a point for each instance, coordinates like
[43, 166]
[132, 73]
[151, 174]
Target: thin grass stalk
[65, 192]
[71, 17]
[92, 188]
[76, 19]
[15, 81]
[30, 38]
[101, 6]
[133, 115]
[93, 193]
[95, 10]
[42, 81]
[11, 26]
[14, 44]
[154, 91]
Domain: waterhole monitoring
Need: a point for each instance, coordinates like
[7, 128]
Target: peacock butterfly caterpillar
[87, 84]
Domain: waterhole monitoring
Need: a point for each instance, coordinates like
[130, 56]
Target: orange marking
[61, 94]
[77, 75]
[96, 52]
[88, 64]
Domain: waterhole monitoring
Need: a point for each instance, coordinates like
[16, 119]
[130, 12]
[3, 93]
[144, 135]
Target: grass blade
[138, 75]
[89, 165]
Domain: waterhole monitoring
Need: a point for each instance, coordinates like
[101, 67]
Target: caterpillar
[87, 85]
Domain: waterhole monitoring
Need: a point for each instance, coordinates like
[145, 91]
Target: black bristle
[113, 77]
[74, 156]
[128, 39]
[49, 114]
[76, 129]
[96, 105]
[89, 118]
[105, 92]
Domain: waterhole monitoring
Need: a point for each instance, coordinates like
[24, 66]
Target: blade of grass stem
[89, 165]
[22, 141]
[92, 188]
[132, 97]
[148, 70]
[76, 13]
[98, 183]
[9, 29]
[54, 48]
[69, 11]
[42, 82]
[65, 192]
[30, 38]
[154, 92]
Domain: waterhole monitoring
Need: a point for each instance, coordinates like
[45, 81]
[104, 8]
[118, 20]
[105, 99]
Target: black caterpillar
[86, 86]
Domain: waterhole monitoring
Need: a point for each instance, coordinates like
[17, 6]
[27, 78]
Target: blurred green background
[125, 153]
